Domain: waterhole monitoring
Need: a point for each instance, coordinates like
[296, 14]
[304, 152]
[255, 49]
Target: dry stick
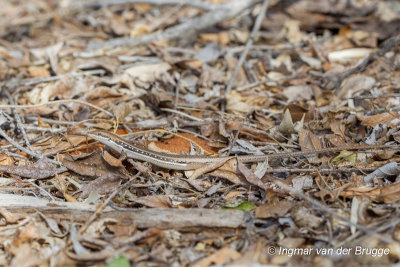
[18, 119]
[283, 170]
[373, 97]
[189, 27]
[33, 81]
[249, 43]
[11, 141]
[332, 212]
[387, 45]
[197, 4]
[58, 102]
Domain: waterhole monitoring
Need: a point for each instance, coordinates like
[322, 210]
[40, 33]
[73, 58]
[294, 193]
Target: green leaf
[247, 205]
[121, 261]
[345, 156]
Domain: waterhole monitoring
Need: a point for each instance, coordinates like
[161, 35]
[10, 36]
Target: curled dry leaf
[111, 160]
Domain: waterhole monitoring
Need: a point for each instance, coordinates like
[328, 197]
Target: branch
[196, 4]
[189, 27]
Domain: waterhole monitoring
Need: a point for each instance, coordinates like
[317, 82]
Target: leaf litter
[317, 75]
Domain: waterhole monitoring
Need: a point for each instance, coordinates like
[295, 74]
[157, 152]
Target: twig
[197, 4]
[189, 27]
[18, 120]
[71, 123]
[181, 113]
[32, 81]
[58, 102]
[11, 141]
[44, 129]
[31, 153]
[374, 97]
[348, 170]
[249, 43]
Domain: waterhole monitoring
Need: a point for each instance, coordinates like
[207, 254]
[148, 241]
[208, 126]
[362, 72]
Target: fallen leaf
[106, 183]
[41, 169]
[275, 209]
[245, 206]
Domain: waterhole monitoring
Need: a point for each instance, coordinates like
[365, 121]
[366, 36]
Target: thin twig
[181, 113]
[249, 43]
[44, 129]
[32, 81]
[57, 102]
[348, 170]
[15, 144]
[197, 4]
[374, 97]
[31, 153]
[18, 120]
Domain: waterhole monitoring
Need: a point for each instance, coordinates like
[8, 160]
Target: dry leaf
[41, 169]
[105, 184]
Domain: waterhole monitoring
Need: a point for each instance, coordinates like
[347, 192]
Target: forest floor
[314, 84]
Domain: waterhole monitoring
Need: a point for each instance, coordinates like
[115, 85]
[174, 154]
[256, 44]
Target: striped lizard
[193, 162]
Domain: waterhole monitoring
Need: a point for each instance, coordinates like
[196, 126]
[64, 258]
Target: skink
[192, 162]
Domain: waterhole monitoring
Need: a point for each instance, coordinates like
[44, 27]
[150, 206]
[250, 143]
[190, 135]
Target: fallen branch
[197, 4]
[188, 28]
[180, 219]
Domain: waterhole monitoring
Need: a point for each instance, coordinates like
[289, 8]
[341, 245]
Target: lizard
[193, 162]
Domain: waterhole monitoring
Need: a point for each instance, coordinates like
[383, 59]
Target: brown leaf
[297, 112]
[250, 176]
[92, 165]
[104, 184]
[158, 201]
[206, 168]
[111, 160]
[41, 169]
[387, 118]
[275, 209]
